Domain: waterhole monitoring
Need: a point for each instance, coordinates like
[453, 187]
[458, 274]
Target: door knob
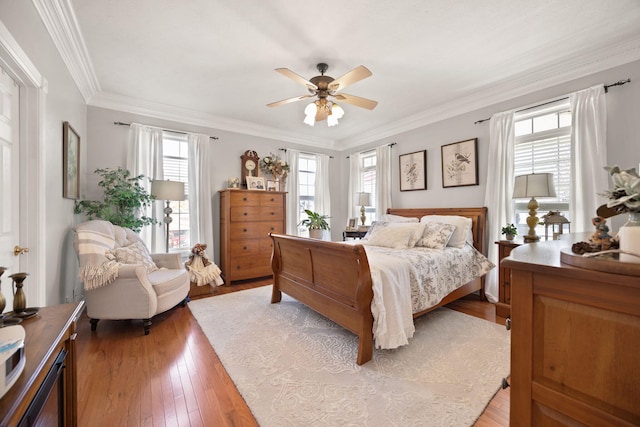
[17, 250]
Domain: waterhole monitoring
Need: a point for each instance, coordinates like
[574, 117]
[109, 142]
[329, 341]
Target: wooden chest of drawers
[246, 219]
[575, 340]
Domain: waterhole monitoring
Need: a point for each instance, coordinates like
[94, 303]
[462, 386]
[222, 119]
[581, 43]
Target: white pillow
[436, 235]
[397, 218]
[462, 231]
[395, 235]
[135, 253]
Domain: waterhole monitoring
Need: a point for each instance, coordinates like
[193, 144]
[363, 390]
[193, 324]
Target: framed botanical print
[460, 163]
[413, 171]
[71, 162]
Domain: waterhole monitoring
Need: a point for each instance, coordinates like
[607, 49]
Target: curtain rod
[391, 144]
[606, 90]
[304, 152]
[166, 130]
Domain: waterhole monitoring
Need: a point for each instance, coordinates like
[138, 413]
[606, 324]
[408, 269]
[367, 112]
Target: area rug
[293, 367]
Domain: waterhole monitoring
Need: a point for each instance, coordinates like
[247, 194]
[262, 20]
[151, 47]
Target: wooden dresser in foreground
[575, 339]
[246, 219]
[45, 392]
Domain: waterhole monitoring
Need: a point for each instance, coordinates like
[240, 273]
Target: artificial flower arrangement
[625, 196]
[274, 166]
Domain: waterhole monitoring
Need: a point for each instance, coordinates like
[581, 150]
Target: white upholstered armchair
[121, 279]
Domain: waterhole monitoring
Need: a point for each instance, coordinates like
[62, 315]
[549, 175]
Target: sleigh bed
[334, 278]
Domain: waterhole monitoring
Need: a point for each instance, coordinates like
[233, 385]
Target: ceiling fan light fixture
[310, 114]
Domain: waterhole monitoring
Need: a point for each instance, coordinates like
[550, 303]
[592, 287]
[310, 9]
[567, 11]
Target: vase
[629, 236]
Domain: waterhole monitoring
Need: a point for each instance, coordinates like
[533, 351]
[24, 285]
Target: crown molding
[533, 80]
[16, 62]
[60, 21]
[167, 112]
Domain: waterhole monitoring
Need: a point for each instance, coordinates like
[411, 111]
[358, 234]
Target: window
[307, 187]
[543, 145]
[368, 182]
[176, 168]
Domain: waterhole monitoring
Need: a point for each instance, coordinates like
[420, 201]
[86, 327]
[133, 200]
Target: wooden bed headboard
[478, 217]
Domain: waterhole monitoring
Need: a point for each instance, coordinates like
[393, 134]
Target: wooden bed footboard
[334, 278]
[331, 278]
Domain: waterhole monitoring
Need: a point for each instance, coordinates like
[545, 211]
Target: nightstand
[503, 306]
[353, 234]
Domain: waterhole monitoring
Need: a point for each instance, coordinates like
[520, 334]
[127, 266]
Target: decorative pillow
[135, 253]
[436, 235]
[397, 218]
[462, 224]
[395, 235]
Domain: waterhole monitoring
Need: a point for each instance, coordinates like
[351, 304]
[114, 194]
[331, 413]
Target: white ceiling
[211, 62]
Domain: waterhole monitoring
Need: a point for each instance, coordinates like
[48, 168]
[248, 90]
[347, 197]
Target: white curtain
[589, 150]
[200, 192]
[499, 190]
[322, 197]
[144, 157]
[383, 179]
[354, 185]
[293, 192]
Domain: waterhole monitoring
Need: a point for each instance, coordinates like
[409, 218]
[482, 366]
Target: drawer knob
[244, 247]
[245, 214]
[244, 230]
[244, 199]
[272, 228]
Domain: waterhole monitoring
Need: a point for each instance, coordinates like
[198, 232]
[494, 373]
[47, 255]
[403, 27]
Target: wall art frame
[460, 163]
[71, 162]
[413, 171]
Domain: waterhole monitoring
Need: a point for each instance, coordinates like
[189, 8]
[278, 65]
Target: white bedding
[406, 281]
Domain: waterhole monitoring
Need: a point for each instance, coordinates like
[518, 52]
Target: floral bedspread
[432, 274]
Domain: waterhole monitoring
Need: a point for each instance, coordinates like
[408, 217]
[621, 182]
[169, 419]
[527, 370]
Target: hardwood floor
[172, 377]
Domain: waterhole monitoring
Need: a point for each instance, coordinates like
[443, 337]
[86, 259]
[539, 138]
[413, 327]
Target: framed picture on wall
[413, 171]
[71, 162]
[460, 163]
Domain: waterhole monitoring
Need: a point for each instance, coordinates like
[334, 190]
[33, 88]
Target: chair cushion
[132, 254]
[167, 280]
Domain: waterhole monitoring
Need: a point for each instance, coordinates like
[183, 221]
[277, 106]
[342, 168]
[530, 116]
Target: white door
[9, 184]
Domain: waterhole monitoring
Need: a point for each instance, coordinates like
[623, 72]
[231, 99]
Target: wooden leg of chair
[94, 323]
[146, 323]
[276, 295]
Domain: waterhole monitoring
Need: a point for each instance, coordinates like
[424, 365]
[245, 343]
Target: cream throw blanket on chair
[95, 238]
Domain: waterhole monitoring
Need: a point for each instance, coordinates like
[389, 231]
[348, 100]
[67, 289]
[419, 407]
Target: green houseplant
[316, 223]
[122, 201]
[510, 231]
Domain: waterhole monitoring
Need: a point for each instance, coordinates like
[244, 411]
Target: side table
[353, 234]
[503, 306]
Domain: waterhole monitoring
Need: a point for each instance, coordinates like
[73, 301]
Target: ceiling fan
[328, 91]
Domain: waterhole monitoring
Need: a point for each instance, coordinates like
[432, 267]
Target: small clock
[249, 165]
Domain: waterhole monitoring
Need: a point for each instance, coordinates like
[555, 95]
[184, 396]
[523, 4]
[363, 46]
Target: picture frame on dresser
[255, 183]
[273, 185]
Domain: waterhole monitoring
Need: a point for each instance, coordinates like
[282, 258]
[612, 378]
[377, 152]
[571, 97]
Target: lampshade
[364, 199]
[167, 190]
[534, 185]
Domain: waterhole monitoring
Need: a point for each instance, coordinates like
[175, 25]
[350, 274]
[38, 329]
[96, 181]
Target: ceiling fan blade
[356, 100]
[287, 101]
[297, 78]
[353, 76]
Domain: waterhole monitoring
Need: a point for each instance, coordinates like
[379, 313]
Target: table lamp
[168, 191]
[363, 199]
[533, 185]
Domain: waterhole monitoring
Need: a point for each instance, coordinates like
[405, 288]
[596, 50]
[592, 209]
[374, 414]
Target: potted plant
[316, 223]
[510, 231]
[122, 201]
